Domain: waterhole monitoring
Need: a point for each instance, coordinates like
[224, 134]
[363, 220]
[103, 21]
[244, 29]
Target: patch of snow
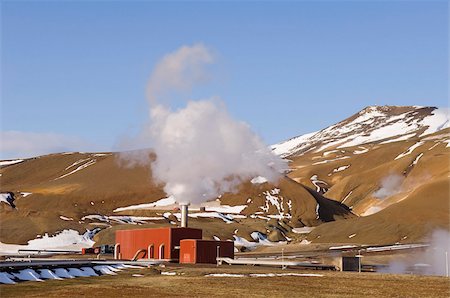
[416, 160]
[410, 150]
[224, 275]
[122, 219]
[6, 198]
[321, 186]
[259, 180]
[89, 163]
[439, 119]
[363, 150]
[340, 169]
[137, 275]
[10, 162]
[67, 239]
[26, 194]
[342, 247]
[304, 230]
[65, 218]
[330, 160]
[400, 138]
[288, 147]
[284, 274]
[227, 209]
[160, 203]
[351, 236]
[168, 273]
[347, 196]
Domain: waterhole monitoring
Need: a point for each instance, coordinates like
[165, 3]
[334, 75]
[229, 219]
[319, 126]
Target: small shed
[157, 243]
[193, 251]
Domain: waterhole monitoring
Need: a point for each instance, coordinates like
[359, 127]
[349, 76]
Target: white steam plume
[435, 260]
[201, 151]
[390, 185]
[179, 71]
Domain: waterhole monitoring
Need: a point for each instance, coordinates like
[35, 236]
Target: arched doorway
[151, 251]
[161, 251]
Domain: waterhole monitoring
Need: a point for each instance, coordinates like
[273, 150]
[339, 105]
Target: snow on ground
[342, 247]
[224, 275]
[321, 186]
[347, 196]
[290, 146]
[160, 203]
[370, 125]
[168, 273]
[416, 160]
[89, 162]
[122, 219]
[228, 218]
[6, 198]
[330, 160]
[260, 240]
[65, 240]
[65, 218]
[400, 138]
[26, 194]
[304, 230]
[340, 169]
[274, 199]
[227, 209]
[410, 150]
[361, 151]
[263, 275]
[259, 180]
[10, 162]
[440, 119]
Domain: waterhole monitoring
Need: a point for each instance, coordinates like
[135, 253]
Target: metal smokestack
[184, 214]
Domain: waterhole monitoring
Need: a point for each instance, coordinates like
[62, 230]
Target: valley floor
[190, 281]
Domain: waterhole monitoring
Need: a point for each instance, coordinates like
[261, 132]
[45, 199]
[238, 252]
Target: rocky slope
[375, 177]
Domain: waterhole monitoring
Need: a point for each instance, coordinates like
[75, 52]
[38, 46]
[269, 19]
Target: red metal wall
[204, 251]
[132, 241]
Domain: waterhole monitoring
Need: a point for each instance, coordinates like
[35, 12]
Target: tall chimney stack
[184, 214]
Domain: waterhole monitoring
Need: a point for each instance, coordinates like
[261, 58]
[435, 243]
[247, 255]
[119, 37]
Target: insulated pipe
[184, 214]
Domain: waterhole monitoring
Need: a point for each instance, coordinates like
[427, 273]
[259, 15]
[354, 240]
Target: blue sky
[74, 73]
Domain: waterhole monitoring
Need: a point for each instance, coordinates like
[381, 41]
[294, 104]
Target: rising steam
[201, 150]
[390, 185]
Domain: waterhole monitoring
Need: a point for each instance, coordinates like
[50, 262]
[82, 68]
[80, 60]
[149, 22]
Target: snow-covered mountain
[383, 124]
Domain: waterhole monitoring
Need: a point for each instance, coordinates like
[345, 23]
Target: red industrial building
[193, 251]
[170, 244]
[183, 244]
[158, 243]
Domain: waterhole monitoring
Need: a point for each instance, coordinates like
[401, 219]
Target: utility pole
[446, 263]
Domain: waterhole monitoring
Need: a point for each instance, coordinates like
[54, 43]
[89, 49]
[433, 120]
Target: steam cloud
[390, 185]
[201, 150]
[433, 261]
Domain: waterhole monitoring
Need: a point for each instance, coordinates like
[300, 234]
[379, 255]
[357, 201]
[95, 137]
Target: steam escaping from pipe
[201, 150]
